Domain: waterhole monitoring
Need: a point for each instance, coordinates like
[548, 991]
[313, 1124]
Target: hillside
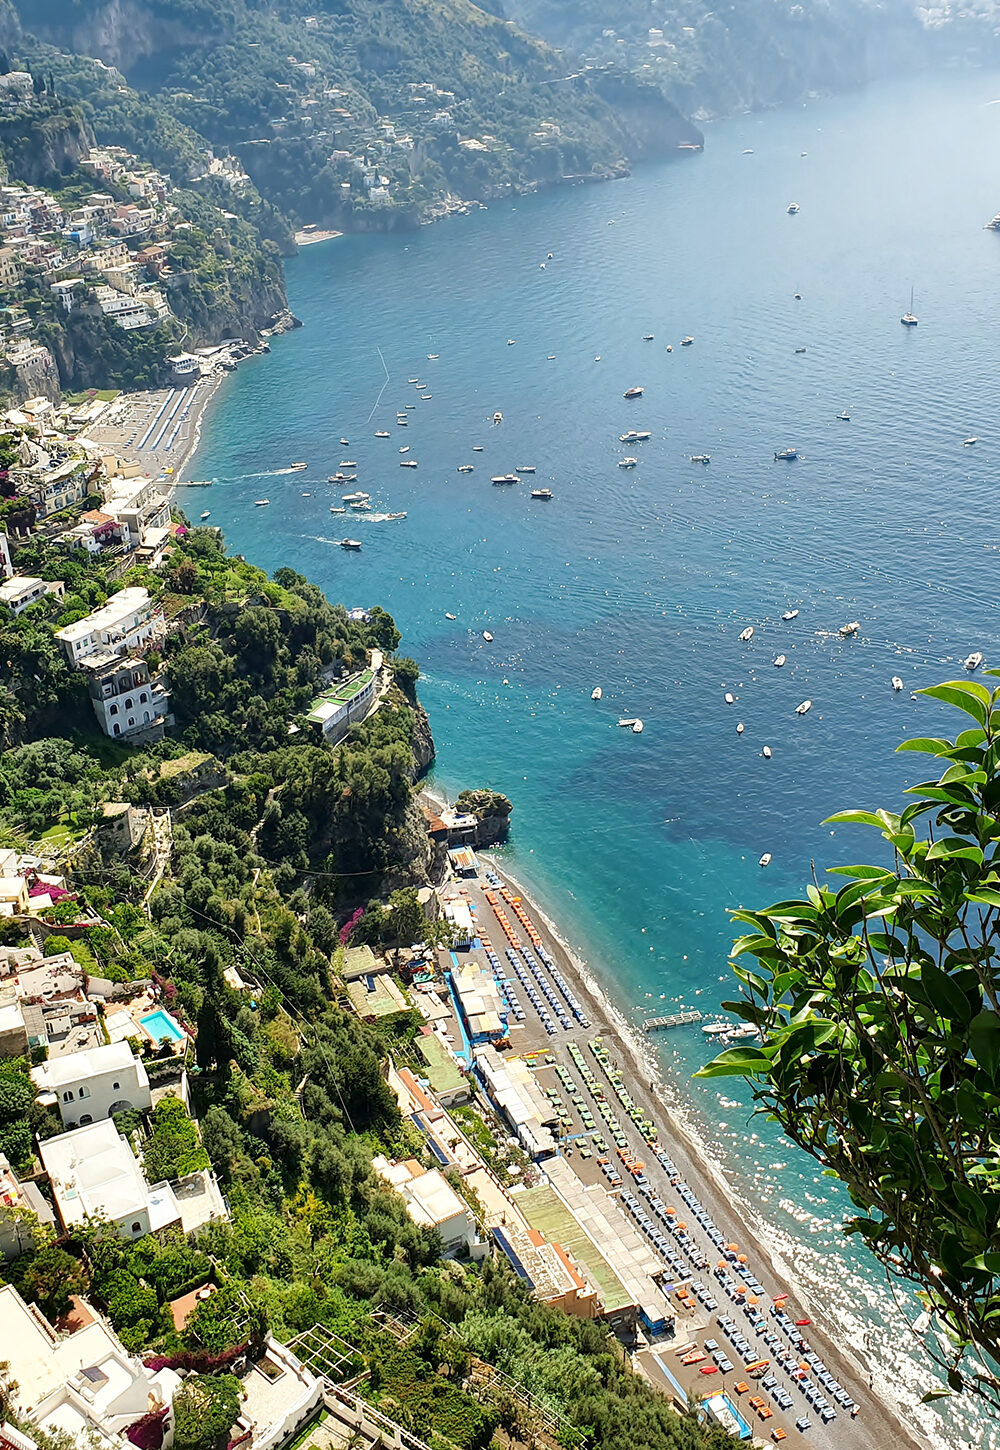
[364, 115]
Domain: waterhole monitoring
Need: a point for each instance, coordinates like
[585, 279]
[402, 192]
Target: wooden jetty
[675, 1019]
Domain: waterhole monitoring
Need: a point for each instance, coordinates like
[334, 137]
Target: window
[143, 698]
[113, 710]
[137, 1228]
[85, 1092]
[118, 728]
[68, 1096]
[85, 1118]
[128, 704]
[115, 1086]
[131, 723]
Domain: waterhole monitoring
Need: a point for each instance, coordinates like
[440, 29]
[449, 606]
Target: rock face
[40, 147]
[36, 377]
[423, 741]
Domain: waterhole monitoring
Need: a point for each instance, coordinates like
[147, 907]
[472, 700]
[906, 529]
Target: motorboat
[851, 627]
[596, 693]
[465, 467]
[797, 296]
[350, 544]
[337, 509]
[766, 752]
[339, 477]
[627, 723]
[402, 422]
[973, 661]
[669, 347]
[780, 660]
[525, 468]
[637, 727]
[687, 341]
[746, 634]
[405, 448]
[348, 463]
[497, 418]
[804, 708]
[627, 462]
[261, 503]
[765, 860]
[701, 458]
[401, 515]
[502, 478]
[896, 683]
[408, 463]
[647, 337]
[541, 493]
[633, 392]
[426, 397]
[550, 357]
[968, 442]
[785, 455]
[644, 436]
[630, 437]
[410, 407]
[799, 350]
[411, 380]
[206, 515]
[354, 497]
[298, 467]
[844, 416]
[477, 448]
[790, 614]
[793, 208]
[510, 341]
[451, 616]
[487, 636]
[382, 433]
[910, 319]
[729, 699]
[433, 356]
[345, 443]
[740, 728]
[361, 504]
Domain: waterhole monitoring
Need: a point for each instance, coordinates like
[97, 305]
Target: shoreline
[211, 387]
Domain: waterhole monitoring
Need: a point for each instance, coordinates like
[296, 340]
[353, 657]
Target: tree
[205, 1409]
[16, 1098]
[50, 1279]
[172, 1150]
[405, 920]
[879, 1007]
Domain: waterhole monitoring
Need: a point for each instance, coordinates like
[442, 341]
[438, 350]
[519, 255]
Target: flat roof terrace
[545, 1210]
[340, 694]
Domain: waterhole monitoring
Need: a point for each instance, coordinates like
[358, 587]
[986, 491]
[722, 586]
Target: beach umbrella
[721, 1264]
[732, 1248]
[741, 1258]
[752, 1300]
[682, 1225]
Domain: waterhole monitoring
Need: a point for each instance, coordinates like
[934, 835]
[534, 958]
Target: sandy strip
[207, 389]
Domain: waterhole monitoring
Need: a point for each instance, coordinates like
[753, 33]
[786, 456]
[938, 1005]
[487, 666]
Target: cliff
[42, 142]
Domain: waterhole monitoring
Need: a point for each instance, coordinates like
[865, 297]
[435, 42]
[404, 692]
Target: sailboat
[910, 319]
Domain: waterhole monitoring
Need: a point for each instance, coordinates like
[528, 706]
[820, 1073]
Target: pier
[675, 1019]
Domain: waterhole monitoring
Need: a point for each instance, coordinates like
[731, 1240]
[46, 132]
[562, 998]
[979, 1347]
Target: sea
[641, 580]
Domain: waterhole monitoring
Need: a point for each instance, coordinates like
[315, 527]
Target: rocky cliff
[40, 144]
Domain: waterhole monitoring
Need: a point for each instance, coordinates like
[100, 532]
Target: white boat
[298, 467]
[790, 614]
[405, 448]
[968, 442]
[633, 393]
[766, 752]
[348, 463]
[361, 504]
[792, 208]
[477, 448]
[353, 497]
[337, 509]
[596, 693]
[451, 616]
[785, 455]
[729, 699]
[669, 347]
[846, 630]
[408, 463]
[350, 544]
[716, 1029]
[747, 633]
[510, 342]
[844, 416]
[627, 723]
[411, 380]
[497, 418]
[896, 682]
[910, 319]
[261, 503]
[504, 478]
[630, 437]
[426, 397]
[433, 356]
[637, 728]
[206, 515]
[765, 860]
[779, 661]
[804, 708]
[643, 437]
[550, 357]
[402, 422]
[345, 443]
[687, 341]
[973, 661]
[382, 433]
[740, 728]
[524, 468]
[627, 462]
[465, 467]
[487, 636]
[395, 516]
[701, 458]
[544, 493]
[647, 337]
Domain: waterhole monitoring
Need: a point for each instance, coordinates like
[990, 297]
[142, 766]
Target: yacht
[382, 433]
[500, 478]
[785, 455]
[525, 468]
[433, 356]
[497, 418]
[345, 443]
[781, 660]
[669, 347]
[627, 462]
[597, 693]
[973, 661]
[790, 614]
[477, 448]
[647, 337]
[355, 497]
[701, 458]
[348, 463]
[350, 544]
[361, 504]
[765, 860]
[687, 341]
[729, 699]
[402, 422]
[337, 509]
[550, 357]
[408, 463]
[846, 630]
[896, 683]
[844, 416]
[910, 319]
[451, 616]
[804, 708]
[747, 633]
[630, 437]
[740, 728]
[541, 493]
[206, 515]
[799, 350]
[298, 467]
[405, 448]
[261, 503]
[397, 516]
[426, 397]
[487, 636]
[410, 407]
[510, 341]
[411, 380]
[633, 392]
[766, 752]
[792, 208]
[465, 467]
[637, 728]
[968, 442]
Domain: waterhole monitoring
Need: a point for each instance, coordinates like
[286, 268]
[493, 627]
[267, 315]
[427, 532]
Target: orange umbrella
[732, 1248]
[741, 1258]
[722, 1264]
[682, 1225]
[752, 1300]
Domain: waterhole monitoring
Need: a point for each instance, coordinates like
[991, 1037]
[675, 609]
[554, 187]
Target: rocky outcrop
[423, 741]
[42, 142]
[36, 377]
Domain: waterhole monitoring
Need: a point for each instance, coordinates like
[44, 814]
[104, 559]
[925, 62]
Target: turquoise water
[641, 580]
[162, 1027]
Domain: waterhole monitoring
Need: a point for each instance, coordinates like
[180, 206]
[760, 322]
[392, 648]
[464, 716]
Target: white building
[22, 591]
[279, 1394]
[140, 508]
[127, 621]
[94, 1084]
[431, 1201]
[95, 1175]
[82, 1384]
[126, 699]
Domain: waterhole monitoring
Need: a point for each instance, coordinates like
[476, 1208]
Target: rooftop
[125, 602]
[93, 1063]
[94, 1173]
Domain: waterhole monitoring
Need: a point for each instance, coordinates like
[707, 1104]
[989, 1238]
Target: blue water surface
[641, 580]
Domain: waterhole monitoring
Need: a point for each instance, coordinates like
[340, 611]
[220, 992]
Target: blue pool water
[162, 1027]
[641, 580]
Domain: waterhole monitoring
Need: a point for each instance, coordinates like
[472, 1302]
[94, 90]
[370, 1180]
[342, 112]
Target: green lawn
[62, 834]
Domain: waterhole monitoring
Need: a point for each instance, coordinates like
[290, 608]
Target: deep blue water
[642, 580]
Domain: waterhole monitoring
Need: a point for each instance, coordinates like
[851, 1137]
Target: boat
[851, 627]
[411, 380]
[465, 467]
[261, 503]
[797, 296]
[550, 357]
[643, 437]
[766, 752]
[405, 448]
[350, 544]
[345, 443]
[337, 509]
[973, 661]
[647, 337]
[633, 392]
[487, 636]
[799, 350]
[790, 614]
[729, 699]
[968, 442]
[361, 504]
[382, 433]
[433, 356]
[397, 515]
[541, 493]
[748, 151]
[451, 616]
[410, 407]
[637, 728]
[627, 462]
[701, 458]
[408, 463]
[896, 682]
[687, 341]
[348, 463]
[844, 416]
[910, 319]
[793, 208]
[630, 437]
[747, 633]
[525, 468]
[402, 422]
[596, 693]
[510, 341]
[765, 860]
[477, 448]
[298, 467]
[740, 728]
[497, 418]
[804, 708]
[785, 455]
[669, 347]
[501, 478]
[426, 397]
[353, 497]
[626, 723]
[206, 515]
[716, 1029]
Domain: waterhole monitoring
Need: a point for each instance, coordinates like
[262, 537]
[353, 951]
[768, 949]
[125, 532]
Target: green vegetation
[205, 1409]
[879, 1005]
[173, 1149]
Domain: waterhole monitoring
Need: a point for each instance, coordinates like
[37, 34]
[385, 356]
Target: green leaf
[861, 873]
[943, 994]
[737, 1062]
[987, 895]
[984, 1041]
[854, 818]
[926, 744]
[954, 846]
[965, 695]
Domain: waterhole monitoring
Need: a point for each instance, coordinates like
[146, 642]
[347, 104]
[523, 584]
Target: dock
[675, 1019]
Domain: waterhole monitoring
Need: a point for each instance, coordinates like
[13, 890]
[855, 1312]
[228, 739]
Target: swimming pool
[162, 1027]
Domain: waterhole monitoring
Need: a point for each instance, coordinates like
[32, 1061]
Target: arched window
[113, 710]
[68, 1096]
[137, 1228]
[143, 698]
[131, 723]
[118, 728]
[128, 704]
[85, 1119]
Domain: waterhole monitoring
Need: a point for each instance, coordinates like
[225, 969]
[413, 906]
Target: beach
[158, 430]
